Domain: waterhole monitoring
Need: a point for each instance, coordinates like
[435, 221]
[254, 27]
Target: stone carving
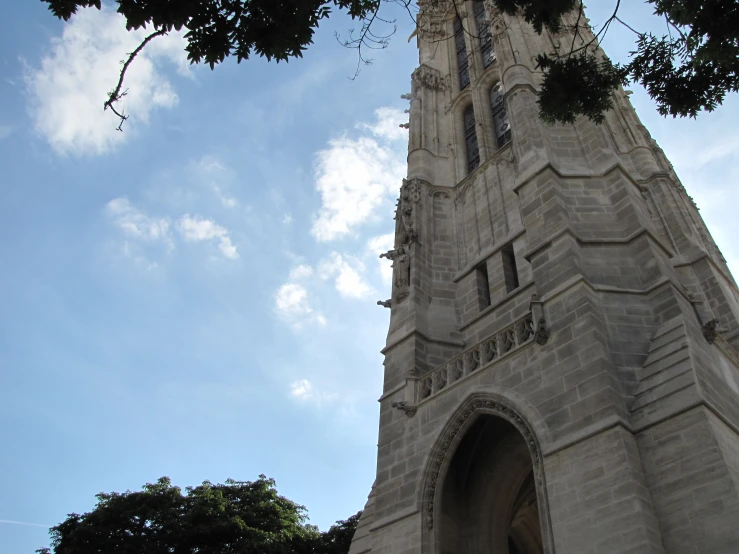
[496, 22]
[494, 407]
[429, 78]
[402, 265]
[541, 336]
[385, 303]
[426, 388]
[507, 340]
[405, 236]
[473, 359]
[460, 196]
[710, 330]
[709, 324]
[428, 7]
[504, 157]
[409, 410]
[645, 196]
[410, 194]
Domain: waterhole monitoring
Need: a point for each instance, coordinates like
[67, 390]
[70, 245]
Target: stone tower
[561, 372]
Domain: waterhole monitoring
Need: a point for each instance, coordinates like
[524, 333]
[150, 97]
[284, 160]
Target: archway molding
[477, 405]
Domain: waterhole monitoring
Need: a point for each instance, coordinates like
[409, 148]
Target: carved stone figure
[402, 267]
[710, 331]
[429, 78]
[409, 410]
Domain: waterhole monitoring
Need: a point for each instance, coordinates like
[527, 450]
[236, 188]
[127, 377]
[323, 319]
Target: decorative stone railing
[496, 347]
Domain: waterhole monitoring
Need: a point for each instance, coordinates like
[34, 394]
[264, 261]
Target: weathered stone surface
[560, 369]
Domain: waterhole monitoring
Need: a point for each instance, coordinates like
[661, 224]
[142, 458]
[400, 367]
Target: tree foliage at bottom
[236, 517]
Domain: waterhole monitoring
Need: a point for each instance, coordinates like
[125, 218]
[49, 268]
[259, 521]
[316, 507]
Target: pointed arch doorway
[489, 493]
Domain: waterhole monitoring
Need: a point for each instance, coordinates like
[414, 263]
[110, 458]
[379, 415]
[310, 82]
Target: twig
[116, 95]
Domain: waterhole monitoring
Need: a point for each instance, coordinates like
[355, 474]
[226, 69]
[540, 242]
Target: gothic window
[510, 271]
[483, 285]
[470, 139]
[462, 62]
[486, 38]
[500, 116]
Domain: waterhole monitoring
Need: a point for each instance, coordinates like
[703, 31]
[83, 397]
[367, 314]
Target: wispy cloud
[5, 131]
[199, 229]
[26, 523]
[140, 228]
[347, 274]
[216, 176]
[378, 245]
[300, 272]
[387, 124]
[354, 177]
[142, 233]
[304, 391]
[67, 90]
[293, 307]
[135, 223]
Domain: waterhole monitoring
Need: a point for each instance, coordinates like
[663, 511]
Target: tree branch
[117, 95]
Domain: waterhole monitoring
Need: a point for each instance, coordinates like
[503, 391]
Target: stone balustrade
[494, 348]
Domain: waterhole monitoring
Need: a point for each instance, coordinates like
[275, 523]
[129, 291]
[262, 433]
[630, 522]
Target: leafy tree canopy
[236, 517]
[689, 69]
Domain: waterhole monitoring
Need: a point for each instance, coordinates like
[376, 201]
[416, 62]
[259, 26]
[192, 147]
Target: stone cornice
[599, 241]
[424, 336]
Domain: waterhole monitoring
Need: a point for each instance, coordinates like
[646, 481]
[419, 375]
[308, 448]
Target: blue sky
[196, 296]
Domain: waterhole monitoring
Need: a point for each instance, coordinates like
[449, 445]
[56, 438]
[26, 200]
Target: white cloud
[287, 220]
[67, 91]
[293, 307]
[354, 177]
[291, 300]
[347, 278]
[135, 223]
[378, 245]
[5, 131]
[215, 174]
[198, 229]
[387, 125]
[142, 231]
[133, 252]
[303, 390]
[301, 272]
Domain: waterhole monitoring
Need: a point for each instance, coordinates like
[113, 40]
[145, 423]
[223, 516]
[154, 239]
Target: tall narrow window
[470, 139]
[500, 117]
[486, 38]
[510, 271]
[483, 286]
[462, 63]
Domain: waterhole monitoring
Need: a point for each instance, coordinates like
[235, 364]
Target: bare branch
[117, 95]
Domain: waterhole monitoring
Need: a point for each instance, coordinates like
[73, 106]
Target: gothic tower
[561, 368]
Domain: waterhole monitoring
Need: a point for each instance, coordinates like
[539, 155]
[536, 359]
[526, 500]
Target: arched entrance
[485, 489]
[488, 501]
